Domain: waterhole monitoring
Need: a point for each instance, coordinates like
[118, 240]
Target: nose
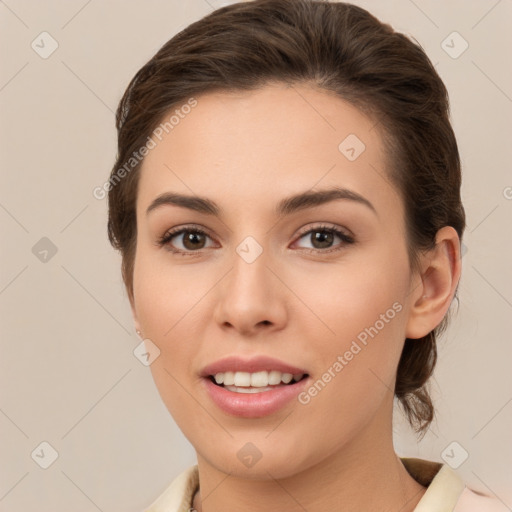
[252, 298]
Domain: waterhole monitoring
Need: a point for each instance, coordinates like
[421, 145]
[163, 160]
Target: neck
[365, 474]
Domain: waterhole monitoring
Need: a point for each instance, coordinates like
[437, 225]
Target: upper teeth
[257, 379]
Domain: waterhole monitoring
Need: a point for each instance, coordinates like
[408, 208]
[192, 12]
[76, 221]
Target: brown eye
[185, 240]
[194, 240]
[323, 239]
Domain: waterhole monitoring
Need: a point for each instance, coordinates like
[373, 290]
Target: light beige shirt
[446, 492]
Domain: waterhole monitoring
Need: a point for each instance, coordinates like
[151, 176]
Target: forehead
[272, 141]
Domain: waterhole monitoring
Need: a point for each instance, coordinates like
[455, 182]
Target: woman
[286, 200]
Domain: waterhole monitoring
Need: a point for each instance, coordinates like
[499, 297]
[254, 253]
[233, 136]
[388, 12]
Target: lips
[237, 396]
[253, 365]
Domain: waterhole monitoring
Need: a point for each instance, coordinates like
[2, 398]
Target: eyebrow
[287, 206]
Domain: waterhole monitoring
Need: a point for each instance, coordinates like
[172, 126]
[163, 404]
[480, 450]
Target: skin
[295, 302]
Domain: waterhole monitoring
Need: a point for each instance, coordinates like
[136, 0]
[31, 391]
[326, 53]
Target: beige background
[68, 373]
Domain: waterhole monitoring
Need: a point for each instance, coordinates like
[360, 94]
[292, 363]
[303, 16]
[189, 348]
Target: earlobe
[440, 275]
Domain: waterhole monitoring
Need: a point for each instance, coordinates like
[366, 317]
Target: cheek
[171, 308]
[166, 293]
[362, 308]
[359, 293]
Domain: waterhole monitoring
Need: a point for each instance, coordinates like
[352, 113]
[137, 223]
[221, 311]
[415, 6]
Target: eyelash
[169, 235]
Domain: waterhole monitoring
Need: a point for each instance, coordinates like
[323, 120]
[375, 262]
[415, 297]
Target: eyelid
[325, 226]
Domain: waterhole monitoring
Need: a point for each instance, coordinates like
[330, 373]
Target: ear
[134, 312]
[440, 274]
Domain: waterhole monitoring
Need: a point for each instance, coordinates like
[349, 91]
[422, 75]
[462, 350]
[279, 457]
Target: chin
[263, 456]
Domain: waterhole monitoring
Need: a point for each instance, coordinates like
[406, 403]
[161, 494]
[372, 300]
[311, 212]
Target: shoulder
[447, 491]
[179, 494]
[473, 501]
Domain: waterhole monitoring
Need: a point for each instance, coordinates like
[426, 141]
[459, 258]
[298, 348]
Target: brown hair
[337, 47]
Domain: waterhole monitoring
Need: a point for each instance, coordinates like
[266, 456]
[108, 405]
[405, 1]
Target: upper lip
[251, 365]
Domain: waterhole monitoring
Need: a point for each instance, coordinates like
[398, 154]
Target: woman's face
[320, 286]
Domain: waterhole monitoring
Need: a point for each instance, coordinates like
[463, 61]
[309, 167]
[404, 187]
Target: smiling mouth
[256, 382]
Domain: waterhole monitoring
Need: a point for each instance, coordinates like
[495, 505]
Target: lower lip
[253, 405]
